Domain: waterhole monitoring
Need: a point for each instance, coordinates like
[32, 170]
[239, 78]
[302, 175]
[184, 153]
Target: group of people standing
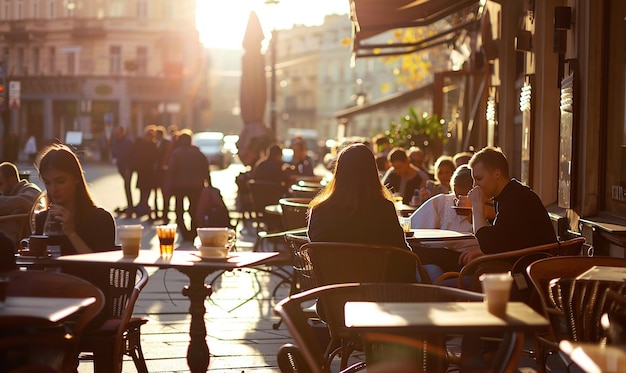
[167, 165]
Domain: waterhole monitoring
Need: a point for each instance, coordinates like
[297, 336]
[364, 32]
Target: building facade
[87, 65]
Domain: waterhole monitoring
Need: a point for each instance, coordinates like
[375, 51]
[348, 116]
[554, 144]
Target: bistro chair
[339, 262]
[543, 274]
[294, 212]
[59, 345]
[514, 261]
[307, 355]
[19, 226]
[265, 193]
[116, 332]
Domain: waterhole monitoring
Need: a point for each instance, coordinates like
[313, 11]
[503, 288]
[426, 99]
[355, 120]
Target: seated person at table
[438, 213]
[86, 228]
[355, 206]
[403, 177]
[17, 197]
[301, 164]
[270, 168]
[444, 167]
[521, 219]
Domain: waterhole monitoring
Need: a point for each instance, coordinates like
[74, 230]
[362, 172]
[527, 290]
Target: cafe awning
[399, 98]
[371, 18]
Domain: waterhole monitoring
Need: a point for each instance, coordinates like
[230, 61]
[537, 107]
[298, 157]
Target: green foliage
[416, 130]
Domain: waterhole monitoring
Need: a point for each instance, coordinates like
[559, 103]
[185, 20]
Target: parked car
[211, 144]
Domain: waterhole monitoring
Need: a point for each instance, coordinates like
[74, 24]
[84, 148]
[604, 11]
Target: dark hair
[492, 159]
[355, 181]
[9, 171]
[184, 138]
[61, 158]
[444, 160]
[397, 155]
[274, 150]
[462, 177]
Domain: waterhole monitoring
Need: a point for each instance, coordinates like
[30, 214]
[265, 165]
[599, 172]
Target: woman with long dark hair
[355, 206]
[85, 226]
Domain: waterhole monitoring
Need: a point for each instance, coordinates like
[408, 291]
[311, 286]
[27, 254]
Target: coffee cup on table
[224, 237]
[130, 238]
[35, 245]
[497, 289]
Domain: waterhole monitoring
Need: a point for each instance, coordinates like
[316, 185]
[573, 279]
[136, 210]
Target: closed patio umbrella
[255, 136]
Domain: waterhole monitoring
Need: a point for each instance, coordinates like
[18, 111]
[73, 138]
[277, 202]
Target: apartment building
[88, 65]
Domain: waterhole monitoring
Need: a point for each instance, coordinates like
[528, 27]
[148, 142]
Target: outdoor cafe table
[604, 273]
[448, 318]
[196, 269]
[430, 246]
[39, 311]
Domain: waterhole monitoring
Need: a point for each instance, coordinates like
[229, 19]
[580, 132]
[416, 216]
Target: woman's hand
[63, 215]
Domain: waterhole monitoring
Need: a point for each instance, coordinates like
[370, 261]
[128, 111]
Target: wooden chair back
[543, 273]
[36, 283]
[16, 226]
[340, 262]
[515, 261]
[332, 300]
[294, 212]
[303, 275]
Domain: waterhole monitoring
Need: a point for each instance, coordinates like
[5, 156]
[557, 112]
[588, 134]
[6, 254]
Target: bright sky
[222, 24]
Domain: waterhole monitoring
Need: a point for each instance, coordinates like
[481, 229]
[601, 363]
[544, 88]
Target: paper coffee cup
[130, 238]
[497, 289]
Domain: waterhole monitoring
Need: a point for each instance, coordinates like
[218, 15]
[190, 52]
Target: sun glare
[222, 24]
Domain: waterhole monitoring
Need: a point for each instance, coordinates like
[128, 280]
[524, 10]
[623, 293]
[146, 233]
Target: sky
[222, 24]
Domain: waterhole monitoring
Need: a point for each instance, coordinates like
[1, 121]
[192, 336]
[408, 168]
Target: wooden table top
[32, 311]
[181, 258]
[603, 273]
[438, 235]
[440, 317]
[595, 358]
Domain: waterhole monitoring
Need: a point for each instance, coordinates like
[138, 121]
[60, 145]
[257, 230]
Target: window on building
[36, 61]
[35, 9]
[615, 154]
[116, 8]
[70, 8]
[72, 63]
[115, 59]
[19, 64]
[52, 58]
[142, 9]
[142, 60]
[6, 10]
[51, 9]
[19, 10]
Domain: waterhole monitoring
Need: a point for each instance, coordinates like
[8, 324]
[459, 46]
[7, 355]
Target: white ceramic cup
[130, 238]
[497, 288]
[224, 237]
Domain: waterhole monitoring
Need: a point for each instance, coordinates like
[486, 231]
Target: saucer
[462, 210]
[213, 252]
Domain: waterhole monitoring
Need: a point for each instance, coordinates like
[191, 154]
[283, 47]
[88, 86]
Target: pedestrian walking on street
[188, 173]
[121, 152]
[144, 162]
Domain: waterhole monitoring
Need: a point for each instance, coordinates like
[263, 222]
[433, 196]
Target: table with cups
[213, 256]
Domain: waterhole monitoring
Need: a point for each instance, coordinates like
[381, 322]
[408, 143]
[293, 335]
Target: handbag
[211, 210]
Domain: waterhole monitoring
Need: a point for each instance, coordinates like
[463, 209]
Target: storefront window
[615, 179]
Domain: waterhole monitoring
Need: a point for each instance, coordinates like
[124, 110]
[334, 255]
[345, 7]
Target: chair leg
[133, 340]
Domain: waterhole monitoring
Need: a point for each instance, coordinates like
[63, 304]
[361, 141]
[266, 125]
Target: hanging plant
[424, 131]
